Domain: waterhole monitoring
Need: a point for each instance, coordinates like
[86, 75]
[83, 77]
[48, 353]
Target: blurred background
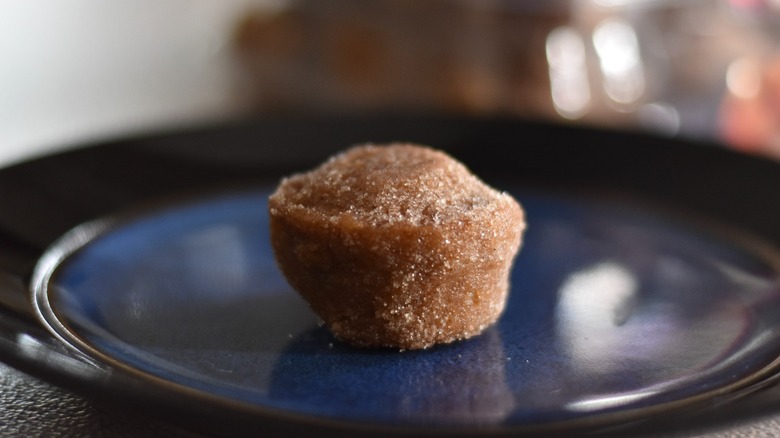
[83, 70]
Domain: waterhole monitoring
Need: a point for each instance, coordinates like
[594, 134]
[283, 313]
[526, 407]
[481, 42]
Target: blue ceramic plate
[618, 311]
[646, 296]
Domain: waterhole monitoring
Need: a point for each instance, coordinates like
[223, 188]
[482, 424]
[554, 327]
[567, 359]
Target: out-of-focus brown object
[438, 55]
[661, 66]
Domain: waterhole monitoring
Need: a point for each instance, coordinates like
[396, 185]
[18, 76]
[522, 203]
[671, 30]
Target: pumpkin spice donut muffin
[396, 245]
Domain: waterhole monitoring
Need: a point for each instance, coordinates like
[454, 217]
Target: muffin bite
[396, 245]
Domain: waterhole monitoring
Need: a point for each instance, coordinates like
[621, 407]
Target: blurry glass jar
[659, 65]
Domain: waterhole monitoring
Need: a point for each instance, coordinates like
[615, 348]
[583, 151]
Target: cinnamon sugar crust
[396, 245]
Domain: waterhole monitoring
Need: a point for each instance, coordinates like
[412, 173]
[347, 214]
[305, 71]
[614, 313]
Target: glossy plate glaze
[614, 309]
[646, 295]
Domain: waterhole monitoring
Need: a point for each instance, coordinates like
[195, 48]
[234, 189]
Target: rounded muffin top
[387, 185]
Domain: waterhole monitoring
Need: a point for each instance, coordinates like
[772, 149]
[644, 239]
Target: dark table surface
[32, 408]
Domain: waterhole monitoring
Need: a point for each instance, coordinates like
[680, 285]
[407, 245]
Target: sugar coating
[396, 245]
